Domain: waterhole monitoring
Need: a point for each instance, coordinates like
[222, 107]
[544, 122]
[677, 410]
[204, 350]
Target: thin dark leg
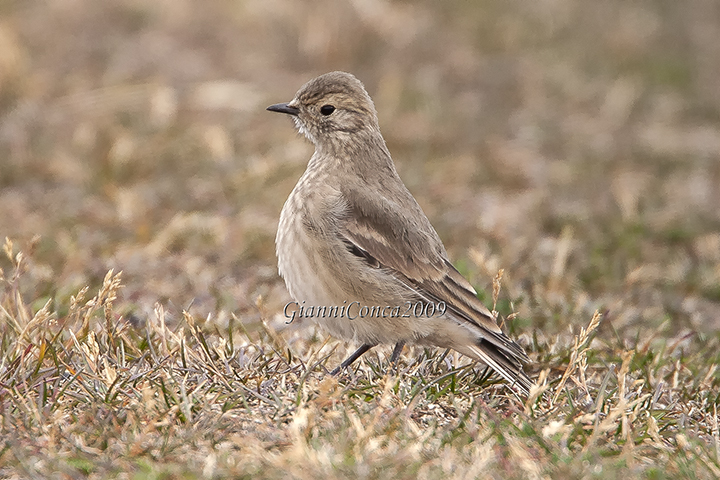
[348, 361]
[396, 352]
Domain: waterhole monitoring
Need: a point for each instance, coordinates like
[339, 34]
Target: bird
[352, 235]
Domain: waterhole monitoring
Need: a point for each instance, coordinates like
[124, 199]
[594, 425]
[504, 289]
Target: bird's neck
[359, 151]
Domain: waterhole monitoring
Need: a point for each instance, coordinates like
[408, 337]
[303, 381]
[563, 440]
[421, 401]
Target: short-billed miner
[351, 231]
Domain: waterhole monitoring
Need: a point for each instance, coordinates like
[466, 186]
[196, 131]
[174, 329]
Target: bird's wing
[409, 247]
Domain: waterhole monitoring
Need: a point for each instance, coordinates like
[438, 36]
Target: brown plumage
[351, 231]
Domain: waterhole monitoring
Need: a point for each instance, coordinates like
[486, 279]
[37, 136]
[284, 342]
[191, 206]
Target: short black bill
[284, 108]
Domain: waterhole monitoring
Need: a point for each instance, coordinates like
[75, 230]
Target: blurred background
[574, 144]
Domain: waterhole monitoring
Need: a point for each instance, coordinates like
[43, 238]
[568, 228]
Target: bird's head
[330, 108]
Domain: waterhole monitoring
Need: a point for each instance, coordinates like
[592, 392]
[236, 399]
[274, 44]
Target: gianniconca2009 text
[355, 310]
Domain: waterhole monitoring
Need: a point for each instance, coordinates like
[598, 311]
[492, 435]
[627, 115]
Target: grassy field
[573, 145]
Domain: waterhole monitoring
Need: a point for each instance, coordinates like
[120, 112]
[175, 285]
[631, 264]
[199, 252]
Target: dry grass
[574, 146]
[87, 392]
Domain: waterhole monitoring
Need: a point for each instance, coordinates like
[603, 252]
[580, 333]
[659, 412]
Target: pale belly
[297, 265]
[309, 284]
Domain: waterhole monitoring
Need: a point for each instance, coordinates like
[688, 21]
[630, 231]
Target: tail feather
[510, 369]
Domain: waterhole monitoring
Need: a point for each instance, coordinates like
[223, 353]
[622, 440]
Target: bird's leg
[396, 352]
[348, 361]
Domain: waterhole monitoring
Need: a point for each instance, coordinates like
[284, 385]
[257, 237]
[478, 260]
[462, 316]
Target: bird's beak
[284, 108]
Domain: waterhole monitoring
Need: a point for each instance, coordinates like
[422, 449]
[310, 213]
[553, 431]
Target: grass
[574, 146]
[92, 393]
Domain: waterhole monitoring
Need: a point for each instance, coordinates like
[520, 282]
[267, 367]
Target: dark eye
[327, 109]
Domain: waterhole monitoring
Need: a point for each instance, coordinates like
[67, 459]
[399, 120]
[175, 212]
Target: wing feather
[409, 247]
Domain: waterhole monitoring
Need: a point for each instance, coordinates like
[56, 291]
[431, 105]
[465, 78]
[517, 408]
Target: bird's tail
[506, 364]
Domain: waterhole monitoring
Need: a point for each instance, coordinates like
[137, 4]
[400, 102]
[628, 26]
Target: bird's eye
[327, 109]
